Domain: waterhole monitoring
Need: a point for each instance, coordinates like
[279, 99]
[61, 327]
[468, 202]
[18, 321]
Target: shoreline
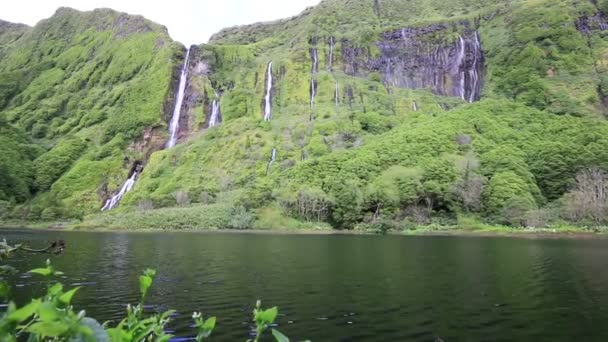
[450, 232]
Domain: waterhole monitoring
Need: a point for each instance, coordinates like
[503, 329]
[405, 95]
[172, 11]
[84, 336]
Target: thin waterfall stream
[179, 100]
[268, 97]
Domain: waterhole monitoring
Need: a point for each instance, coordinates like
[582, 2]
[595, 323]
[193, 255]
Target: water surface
[342, 288]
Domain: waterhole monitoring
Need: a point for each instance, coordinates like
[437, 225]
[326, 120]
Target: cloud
[188, 21]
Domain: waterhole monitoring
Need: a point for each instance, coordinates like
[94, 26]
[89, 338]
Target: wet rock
[412, 57]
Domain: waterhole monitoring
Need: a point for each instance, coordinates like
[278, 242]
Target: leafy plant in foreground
[53, 318]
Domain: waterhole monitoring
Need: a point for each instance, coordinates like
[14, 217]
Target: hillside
[353, 113]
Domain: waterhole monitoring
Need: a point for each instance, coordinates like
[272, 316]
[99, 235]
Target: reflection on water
[343, 288]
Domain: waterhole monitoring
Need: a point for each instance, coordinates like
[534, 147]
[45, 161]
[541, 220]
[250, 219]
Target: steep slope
[85, 86]
[353, 112]
[345, 73]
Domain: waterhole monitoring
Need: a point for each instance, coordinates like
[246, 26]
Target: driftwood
[54, 247]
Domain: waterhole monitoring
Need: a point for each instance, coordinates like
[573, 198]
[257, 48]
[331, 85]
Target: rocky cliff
[346, 82]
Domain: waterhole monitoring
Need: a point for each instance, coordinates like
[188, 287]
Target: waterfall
[113, 202]
[267, 98]
[216, 115]
[315, 65]
[473, 73]
[415, 106]
[273, 158]
[458, 66]
[413, 57]
[337, 95]
[174, 124]
[315, 60]
[330, 61]
[313, 93]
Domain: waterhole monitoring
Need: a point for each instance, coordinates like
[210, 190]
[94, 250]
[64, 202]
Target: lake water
[343, 288]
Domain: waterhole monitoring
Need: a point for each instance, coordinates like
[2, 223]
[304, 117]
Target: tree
[588, 201]
[348, 200]
[392, 189]
[507, 195]
[469, 188]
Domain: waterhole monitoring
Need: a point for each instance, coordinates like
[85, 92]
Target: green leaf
[279, 336]
[144, 284]
[268, 316]
[42, 271]
[209, 324]
[47, 312]
[66, 298]
[55, 289]
[51, 329]
[25, 312]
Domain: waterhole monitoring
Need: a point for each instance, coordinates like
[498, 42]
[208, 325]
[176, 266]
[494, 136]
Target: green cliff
[383, 114]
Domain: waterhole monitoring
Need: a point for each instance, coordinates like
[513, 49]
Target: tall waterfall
[313, 93]
[126, 187]
[273, 158]
[473, 73]
[415, 106]
[457, 67]
[174, 124]
[314, 55]
[268, 98]
[216, 115]
[315, 67]
[337, 94]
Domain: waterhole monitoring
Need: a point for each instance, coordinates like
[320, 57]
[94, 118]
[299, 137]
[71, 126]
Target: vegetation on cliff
[85, 99]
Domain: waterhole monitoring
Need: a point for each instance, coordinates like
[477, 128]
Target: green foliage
[77, 91]
[52, 317]
[51, 165]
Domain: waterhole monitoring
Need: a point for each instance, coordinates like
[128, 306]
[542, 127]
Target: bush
[240, 218]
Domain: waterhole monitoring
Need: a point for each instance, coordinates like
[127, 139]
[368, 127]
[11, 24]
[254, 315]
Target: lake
[341, 287]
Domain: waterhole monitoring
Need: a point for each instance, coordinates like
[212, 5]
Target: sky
[188, 21]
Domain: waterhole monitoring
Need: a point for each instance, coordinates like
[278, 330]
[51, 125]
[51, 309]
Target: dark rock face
[414, 58]
[587, 24]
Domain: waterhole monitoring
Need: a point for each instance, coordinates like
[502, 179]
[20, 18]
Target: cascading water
[314, 55]
[313, 93]
[126, 187]
[337, 94]
[457, 68]
[473, 72]
[273, 158]
[216, 115]
[313, 86]
[414, 58]
[415, 106]
[174, 124]
[268, 97]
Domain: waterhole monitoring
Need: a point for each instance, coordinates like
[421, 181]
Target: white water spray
[126, 187]
[179, 100]
[473, 75]
[273, 158]
[337, 94]
[216, 115]
[267, 98]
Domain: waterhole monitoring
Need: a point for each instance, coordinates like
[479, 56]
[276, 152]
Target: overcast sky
[188, 21]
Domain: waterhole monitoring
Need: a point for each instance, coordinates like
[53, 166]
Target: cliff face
[101, 87]
[411, 58]
[90, 89]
